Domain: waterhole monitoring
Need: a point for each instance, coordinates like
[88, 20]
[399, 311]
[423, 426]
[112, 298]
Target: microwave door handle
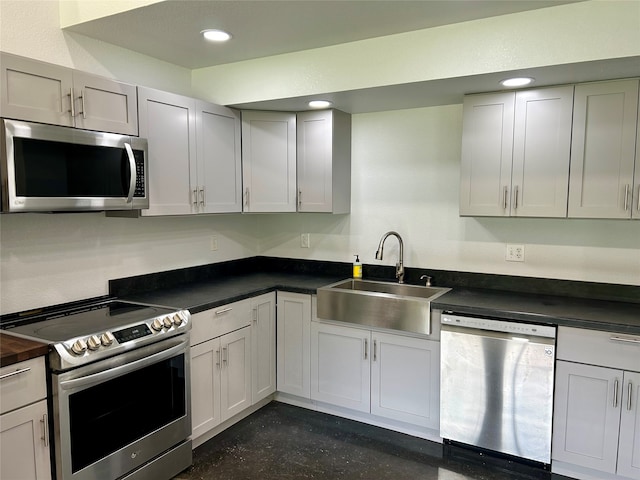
[132, 166]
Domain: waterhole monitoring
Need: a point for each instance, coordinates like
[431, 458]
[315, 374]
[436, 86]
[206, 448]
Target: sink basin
[387, 305]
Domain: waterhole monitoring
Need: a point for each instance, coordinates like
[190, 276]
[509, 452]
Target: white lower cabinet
[24, 434]
[388, 375]
[220, 366]
[263, 346]
[596, 428]
[293, 340]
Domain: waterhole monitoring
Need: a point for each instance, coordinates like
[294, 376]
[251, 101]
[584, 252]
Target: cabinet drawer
[22, 383]
[219, 321]
[607, 349]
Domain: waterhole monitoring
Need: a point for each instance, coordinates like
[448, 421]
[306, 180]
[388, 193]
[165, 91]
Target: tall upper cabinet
[515, 153]
[194, 154]
[324, 161]
[47, 93]
[269, 161]
[603, 151]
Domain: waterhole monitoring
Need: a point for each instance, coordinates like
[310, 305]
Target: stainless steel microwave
[48, 168]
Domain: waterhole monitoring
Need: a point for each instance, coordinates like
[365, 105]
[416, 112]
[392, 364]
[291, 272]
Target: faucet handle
[428, 280]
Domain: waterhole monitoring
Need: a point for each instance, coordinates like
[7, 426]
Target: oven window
[115, 413]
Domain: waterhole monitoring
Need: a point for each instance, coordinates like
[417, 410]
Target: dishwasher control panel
[499, 325]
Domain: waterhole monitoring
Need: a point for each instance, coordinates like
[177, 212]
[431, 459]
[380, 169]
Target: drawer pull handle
[17, 372]
[224, 310]
[616, 384]
[616, 338]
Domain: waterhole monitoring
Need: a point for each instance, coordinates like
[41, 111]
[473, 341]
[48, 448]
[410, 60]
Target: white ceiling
[170, 31]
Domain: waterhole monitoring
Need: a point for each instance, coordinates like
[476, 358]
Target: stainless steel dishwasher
[496, 381]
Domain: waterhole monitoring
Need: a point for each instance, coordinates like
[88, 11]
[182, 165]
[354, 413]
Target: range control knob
[107, 338]
[94, 342]
[79, 347]
[156, 324]
[177, 319]
[167, 322]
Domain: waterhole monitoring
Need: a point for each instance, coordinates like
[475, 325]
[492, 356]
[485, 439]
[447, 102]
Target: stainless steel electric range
[120, 388]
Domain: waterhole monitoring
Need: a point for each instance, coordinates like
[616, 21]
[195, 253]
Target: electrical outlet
[305, 240]
[214, 243]
[514, 253]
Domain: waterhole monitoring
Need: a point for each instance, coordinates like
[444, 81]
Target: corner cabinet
[516, 152]
[269, 161]
[388, 375]
[194, 154]
[596, 431]
[324, 161]
[603, 154]
[24, 422]
[47, 93]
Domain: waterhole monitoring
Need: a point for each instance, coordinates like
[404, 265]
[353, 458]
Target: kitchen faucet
[399, 265]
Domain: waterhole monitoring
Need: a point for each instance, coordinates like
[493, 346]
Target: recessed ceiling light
[319, 103]
[517, 82]
[216, 35]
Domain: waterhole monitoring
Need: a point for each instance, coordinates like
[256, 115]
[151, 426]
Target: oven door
[114, 416]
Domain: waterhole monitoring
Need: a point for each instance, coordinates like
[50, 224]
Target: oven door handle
[99, 377]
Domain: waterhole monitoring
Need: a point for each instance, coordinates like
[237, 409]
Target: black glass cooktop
[85, 320]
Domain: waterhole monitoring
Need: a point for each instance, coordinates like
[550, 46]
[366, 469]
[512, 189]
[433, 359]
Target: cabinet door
[219, 159]
[603, 149]
[487, 151]
[629, 445]
[105, 105]
[340, 366]
[167, 121]
[586, 415]
[405, 379]
[314, 138]
[263, 346]
[635, 209]
[541, 152]
[294, 333]
[205, 386]
[269, 161]
[24, 446]
[236, 372]
[35, 91]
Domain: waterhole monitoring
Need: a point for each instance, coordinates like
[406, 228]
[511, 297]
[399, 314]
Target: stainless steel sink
[388, 305]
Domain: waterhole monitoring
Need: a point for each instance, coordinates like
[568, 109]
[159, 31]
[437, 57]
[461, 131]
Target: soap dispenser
[357, 268]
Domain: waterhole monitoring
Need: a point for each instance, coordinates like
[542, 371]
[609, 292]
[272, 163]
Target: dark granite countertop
[207, 294]
[619, 317]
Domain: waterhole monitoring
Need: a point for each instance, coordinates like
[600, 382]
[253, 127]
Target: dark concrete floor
[285, 442]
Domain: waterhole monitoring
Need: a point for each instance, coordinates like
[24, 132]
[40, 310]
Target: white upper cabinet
[194, 154]
[47, 93]
[167, 121]
[603, 151]
[269, 161]
[219, 159]
[515, 153]
[324, 161]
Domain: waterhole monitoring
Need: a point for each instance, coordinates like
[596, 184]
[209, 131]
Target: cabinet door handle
[224, 310]
[201, 192]
[629, 393]
[300, 198]
[225, 356]
[505, 195]
[616, 338]
[45, 429]
[218, 358]
[254, 315]
[17, 372]
[194, 195]
[616, 384]
[72, 108]
[375, 350]
[626, 197]
[246, 197]
[366, 348]
[515, 197]
[84, 109]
